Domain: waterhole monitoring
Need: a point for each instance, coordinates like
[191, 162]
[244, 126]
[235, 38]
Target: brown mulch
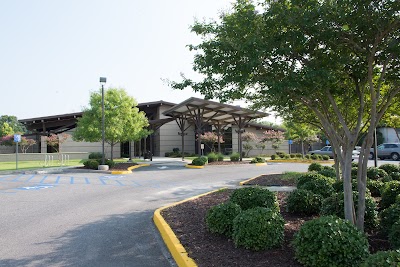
[271, 180]
[123, 166]
[228, 162]
[187, 220]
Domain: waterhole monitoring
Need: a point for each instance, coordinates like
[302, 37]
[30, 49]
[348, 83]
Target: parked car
[386, 151]
[327, 150]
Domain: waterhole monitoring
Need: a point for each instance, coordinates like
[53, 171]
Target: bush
[389, 217]
[251, 197]
[330, 241]
[258, 228]
[394, 235]
[354, 165]
[354, 172]
[204, 159]
[389, 168]
[168, 154]
[302, 201]
[314, 156]
[334, 205]
[273, 157]
[374, 173]
[219, 219]
[325, 157]
[95, 155]
[395, 176]
[198, 162]
[212, 157]
[308, 176]
[338, 186]
[281, 154]
[315, 166]
[292, 156]
[235, 157]
[328, 172]
[91, 164]
[375, 187]
[175, 150]
[299, 155]
[322, 186]
[389, 258]
[308, 156]
[258, 160]
[389, 192]
[220, 157]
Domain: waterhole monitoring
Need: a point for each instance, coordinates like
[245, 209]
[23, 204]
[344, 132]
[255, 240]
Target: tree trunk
[112, 151]
[302, 148]
[345, 162]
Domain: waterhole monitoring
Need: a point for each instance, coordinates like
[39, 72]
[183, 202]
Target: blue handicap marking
[36, 187]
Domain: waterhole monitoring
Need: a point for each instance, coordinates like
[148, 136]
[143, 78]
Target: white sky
[53, 52]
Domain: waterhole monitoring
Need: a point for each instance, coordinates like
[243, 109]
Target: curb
[261, 164]
[129, 170]
[193, 166]
[176, 249]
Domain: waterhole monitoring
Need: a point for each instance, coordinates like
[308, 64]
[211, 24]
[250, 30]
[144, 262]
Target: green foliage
[302, 201]
[273, 157]
[389, 217]
[374, 173]
[325, 157]
[123, 120]
[375, 187]
[212, 157]
[315, 166]
[395, 176]
[334, 205]
[95, 155]
[389, 258]
[198, 162]
[328, 171]
[354, 165]
[204, 159]
[389, 168]
[220, 157]
[330, 241]
[317, 184]
[389, 192]
[292, 156]
[219, 219]
[354, 172]
[251, 197]
[258, 160]
[338, 186]
[91, 164]
[235, 157]
[258, 228]
[308, 156]
[394, 235]
[307, 177]
[299, 155]
[9, 125]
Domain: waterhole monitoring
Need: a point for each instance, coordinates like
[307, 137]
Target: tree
[6, 129]
[13, 122]
[55, 141]
[337, 61]
[210, 138]
[275, 137]
[26, 143]
[123, 120]
[248, 138]
[300, 133]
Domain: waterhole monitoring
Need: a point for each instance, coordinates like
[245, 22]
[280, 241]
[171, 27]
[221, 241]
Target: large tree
[123, 120]
[338, 60]
[10, 125]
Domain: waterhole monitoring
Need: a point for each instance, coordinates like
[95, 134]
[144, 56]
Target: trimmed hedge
[219, 219]
[322, 186]
[302, 201]
[389, 217]
[315, 166]
[235, 157]
[375, 173]
[330, 241]
[258, 228]
[389, 193]
[251, 197]
[390, 258]
[394, 235]
[389, 168]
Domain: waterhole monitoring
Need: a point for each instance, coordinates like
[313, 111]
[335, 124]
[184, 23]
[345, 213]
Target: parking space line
[87, 180]
[43, 179]
[118, 182]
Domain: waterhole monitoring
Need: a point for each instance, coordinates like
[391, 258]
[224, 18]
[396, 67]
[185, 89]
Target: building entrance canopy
[201, 112]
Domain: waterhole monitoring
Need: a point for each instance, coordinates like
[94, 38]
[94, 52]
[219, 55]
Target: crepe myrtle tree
[210, 138]
[25, 143]
[123, 120]
[249, 139]
[275, 137]
[334, 64]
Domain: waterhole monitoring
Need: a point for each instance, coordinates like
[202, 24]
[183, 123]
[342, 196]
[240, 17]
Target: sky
[53, 52]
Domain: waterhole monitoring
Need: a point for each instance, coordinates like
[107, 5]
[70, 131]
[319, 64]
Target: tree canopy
[10, 125]
[123, 120]
[335, 64]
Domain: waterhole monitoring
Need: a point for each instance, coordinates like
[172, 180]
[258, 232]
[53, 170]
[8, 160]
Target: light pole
[103, 80]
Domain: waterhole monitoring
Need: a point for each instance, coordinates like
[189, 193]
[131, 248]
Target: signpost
[290, 145]
[327, 142]
[17, 139]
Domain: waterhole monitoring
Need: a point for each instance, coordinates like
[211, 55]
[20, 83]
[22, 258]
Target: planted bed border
[129, 170]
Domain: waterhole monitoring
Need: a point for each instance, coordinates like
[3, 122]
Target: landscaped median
[129, 170]
[176, 249]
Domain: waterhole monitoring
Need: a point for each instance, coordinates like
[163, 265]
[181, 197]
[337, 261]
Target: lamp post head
[103, 79]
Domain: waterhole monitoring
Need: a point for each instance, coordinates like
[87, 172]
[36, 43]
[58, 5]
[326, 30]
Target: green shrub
[212, 157]
[315, 166]
[168, 154]
[175, 150]
[395, 176]
[258, 160]
[325, 157]
[235, 157]
[251, 197]
[338, 186]
[91, 164]
[308, 176]
[322, 186]
[354, 172]
[198, 162]
[95, 155]
[354, 165]
[292, 156]
[394, 235]
[299, 155]
[258, 228]
[308, 156]
[110, 163]
[273, 157]
[375, 187]
[334, 205]
[330, 241]
[314, 156]
[389, 192]
[281, 154]
[389, 258]
[219, 219]
[328, 172]
[302, 201]
[389, 168]
[389, 217]
[220, 157]
[204, 159]
[374, 173]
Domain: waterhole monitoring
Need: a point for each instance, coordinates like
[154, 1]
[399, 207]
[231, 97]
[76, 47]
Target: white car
[328, 150]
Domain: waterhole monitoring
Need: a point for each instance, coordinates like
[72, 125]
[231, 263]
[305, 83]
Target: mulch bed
[271, 180]
[123, 166]
[187, 220]
[228, 162]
